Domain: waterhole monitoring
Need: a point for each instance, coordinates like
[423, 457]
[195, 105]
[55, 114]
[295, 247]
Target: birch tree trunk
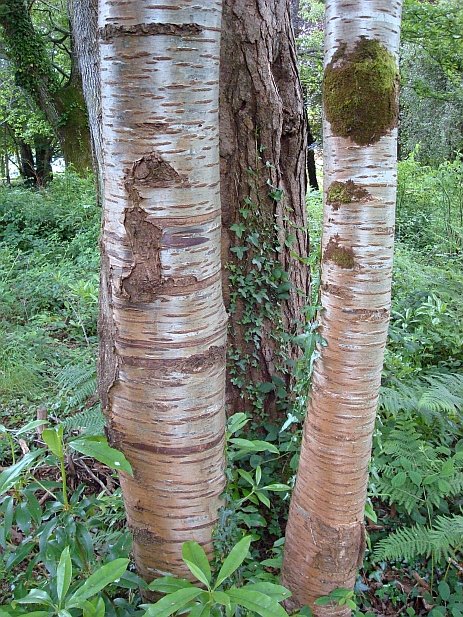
[165, 376]
[325, 532]
[263, 145]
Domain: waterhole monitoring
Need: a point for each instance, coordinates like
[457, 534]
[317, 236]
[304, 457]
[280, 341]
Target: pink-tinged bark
[165, 375]
[325, 532]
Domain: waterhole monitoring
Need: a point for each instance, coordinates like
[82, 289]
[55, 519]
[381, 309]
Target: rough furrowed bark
[262, 145]
[83, 17]
[325, 532]
[161, 249]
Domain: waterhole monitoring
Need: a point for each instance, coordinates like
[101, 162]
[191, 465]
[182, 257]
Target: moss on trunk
[360, 92]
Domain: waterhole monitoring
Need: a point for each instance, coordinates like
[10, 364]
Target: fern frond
[78, 383]
[407, 543]
[443, 540]
[431, 396]
[89, 422]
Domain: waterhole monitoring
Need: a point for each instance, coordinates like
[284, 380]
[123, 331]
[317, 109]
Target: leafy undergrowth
[62, 520]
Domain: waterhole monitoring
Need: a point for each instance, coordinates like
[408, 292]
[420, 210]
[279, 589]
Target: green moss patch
[339, 193]
[360, 90]
[340, 255]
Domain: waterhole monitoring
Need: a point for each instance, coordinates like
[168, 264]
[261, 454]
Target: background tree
[83, 18]
[53, 84]
[161, 250]
[325, 533]
[432, 78]
[263, 138]
[27, 140]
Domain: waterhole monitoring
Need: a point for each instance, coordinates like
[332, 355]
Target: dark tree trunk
[27, 164]
[83, 17]
[263, 149]
[43, 156]
[296, 20]
[311, 168]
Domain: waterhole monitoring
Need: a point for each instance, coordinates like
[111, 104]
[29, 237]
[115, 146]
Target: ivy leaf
[239, 251]
[238, 228]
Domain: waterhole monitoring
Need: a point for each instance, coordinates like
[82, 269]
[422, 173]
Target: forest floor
[48, 347]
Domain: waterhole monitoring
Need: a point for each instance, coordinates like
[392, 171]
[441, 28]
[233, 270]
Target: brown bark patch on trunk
[332, 547]
[377, 316]
[153, 171]
[340, 255]
[144, 279]
[195, 363]
[110, 31]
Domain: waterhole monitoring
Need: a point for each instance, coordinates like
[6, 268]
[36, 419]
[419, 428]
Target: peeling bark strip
[145, 278]
[110, 31]
[165, 373]
[324, 537]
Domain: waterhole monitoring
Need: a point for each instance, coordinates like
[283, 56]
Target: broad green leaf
[233, 561]
[246, 476]
[236, 422]
[36, 596]
[32, 614]
[30, 426]
[277, 592]
[263, 498]
[63, 575]
[97, 581]
[220, 597]
[257, 602]
[277, 487]
[9, 475]
[169, 584]
[197, 572]
[98, 448]
[255, 445]
[172, 603]
[193, 555]
[64, 613]
[258, 474]
[53, 437]
[130, 580]
[94, 608]
[200, 610]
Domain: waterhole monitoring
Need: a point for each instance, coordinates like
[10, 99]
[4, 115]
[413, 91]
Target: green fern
[77, 383]
[411, 472]
[89, 422]
[443, 540]
[433, 398]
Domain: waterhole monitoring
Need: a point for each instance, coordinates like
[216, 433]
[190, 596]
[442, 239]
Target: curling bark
[325, 532]
[165, 375]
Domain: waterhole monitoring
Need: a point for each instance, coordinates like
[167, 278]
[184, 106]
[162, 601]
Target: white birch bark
[325, 533]
[161, 242]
